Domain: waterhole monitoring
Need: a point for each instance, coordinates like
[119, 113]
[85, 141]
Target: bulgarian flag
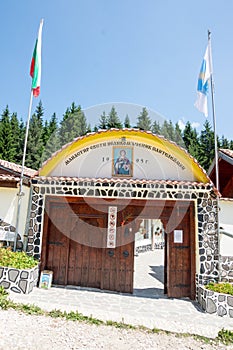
[35, 69]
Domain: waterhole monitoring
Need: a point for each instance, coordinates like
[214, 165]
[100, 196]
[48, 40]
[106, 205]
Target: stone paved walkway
[147, 307]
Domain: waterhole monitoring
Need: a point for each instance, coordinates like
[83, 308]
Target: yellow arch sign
[157, 145]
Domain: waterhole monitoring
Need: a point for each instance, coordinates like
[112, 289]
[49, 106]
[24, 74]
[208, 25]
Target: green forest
[47, 136]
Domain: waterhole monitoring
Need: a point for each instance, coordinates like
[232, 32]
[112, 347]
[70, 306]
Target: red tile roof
[9, 178]
[228, 152]
[16, 168]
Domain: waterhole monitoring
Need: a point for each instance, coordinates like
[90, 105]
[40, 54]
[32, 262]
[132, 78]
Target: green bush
[18, 260]
[225, 288]
[225, 336]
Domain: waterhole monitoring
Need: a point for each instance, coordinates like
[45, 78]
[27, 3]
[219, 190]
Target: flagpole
[214, 117]
[215, 151]
[21, 193]
[35, 72]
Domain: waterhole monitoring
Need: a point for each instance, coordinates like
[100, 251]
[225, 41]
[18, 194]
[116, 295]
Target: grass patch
[77, 316]
[120, 325]
[224, 336]
[5, 303]
[156, 330]
[29, 309]
[56, 313]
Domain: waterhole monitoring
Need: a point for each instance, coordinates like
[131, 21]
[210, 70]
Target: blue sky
[136, 52]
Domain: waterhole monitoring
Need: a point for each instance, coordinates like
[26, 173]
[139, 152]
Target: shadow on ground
[157, 272]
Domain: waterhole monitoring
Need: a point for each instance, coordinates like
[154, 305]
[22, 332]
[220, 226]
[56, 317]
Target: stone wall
[19, 281]
[226, 268]
[215, 303]
[202, 194]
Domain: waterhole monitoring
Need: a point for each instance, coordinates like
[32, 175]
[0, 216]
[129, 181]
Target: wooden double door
[74, 247]
[75, 237]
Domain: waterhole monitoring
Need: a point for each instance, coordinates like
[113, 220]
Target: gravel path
[40, 332]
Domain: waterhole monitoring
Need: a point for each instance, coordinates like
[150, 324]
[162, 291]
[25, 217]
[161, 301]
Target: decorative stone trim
[215, 303]
[202, 194]
[18, 281]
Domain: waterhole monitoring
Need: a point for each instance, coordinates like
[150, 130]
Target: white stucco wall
[226, 221]
[8, 206]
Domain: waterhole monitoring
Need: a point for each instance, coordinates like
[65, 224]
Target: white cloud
[195, 125]
[181, 124]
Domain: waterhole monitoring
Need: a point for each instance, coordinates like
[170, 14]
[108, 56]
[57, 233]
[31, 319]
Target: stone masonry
[202, 194]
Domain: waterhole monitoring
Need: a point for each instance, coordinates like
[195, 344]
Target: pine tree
[103, 121]
[113, 120]
[52, 144]
[82, 122]
[7, 147]
[207, 152]
[194, 148]
[127, 122]
[22, 130]
[45, 134]
[16, 143]
[189, 134]
[144, 121]
[171, 131]
[74, 124]
[191, 140]
[165, 130]
[224, 143]
[178, 135]
[156, 128]
[88, 128]
[35, 144]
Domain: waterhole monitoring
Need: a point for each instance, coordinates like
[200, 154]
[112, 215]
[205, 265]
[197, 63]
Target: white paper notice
[178, 236]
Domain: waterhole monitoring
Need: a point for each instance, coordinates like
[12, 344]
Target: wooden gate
[74, 246]
[180, 252]
[179, 256]
[75, 236]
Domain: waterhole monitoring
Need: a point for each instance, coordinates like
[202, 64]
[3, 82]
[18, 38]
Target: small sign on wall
[178, 236]
[111, 234]
[46, 277]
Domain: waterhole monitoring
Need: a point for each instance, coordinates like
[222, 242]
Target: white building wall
[9, 204]
[226, 218]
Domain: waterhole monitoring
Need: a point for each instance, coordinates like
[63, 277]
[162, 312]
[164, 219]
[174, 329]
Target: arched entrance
[89, 200]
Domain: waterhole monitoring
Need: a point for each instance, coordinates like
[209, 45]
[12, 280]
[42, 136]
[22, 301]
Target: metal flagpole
[21, 193]
[215, 150]
[213, 111]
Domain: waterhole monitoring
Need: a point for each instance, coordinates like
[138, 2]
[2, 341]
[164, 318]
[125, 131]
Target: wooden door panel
[95, 267]
[57, 255]
[179, 270]
[85, 256]
[118, 263]
[109, 279]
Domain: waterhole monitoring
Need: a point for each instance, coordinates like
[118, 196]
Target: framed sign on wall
[122, 161]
